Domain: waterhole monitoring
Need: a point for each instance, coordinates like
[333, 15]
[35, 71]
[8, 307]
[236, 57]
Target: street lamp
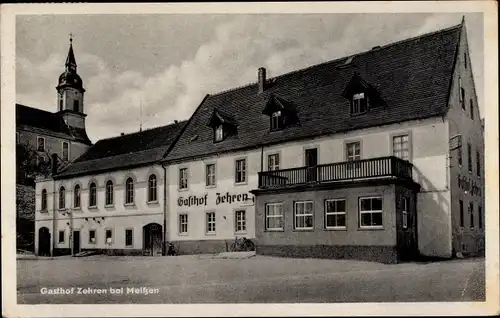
[70, 213]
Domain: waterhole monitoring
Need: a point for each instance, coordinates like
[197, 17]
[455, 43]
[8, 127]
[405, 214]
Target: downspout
[164, 252]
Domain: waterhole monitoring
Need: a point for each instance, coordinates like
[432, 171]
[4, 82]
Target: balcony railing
[342, 171]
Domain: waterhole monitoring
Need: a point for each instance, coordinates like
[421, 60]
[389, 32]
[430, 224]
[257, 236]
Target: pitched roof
[125, 151]
[412, 77]
[37, 118]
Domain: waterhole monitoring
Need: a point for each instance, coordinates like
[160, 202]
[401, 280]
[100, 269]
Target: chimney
[262, 79]
[176, 121]
[122, 134]
[54, 163]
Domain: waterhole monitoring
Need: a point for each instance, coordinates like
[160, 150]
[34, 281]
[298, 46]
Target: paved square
[260, 279]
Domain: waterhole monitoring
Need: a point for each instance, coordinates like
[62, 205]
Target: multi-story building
[43, 136]
[378, 155]
[110, 198]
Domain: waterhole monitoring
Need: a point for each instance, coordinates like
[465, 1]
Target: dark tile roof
[129, 150]
[37, 118]
[42, 119]
[412, 77]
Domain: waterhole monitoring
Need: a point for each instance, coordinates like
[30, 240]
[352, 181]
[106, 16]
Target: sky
[168, 62]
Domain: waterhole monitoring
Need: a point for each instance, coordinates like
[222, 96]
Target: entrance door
[152, 239]
[407, 232]
[311, 158]
[43, 242]
[76, 242]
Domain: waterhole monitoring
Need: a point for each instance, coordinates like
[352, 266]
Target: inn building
[375, 156]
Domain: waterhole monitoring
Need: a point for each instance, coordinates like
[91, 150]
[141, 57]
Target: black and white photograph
[342, 155]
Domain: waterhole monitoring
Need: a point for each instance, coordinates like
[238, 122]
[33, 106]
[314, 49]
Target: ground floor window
[240, 221]
[211, 223]
[480, 215]
[274, 216]
[129, 237]
[109, 236]
[461, 206]
[370, 212]
[335, 214]
[62, 235]
[303, 215]
[471, 211]
[92, 237]
[183, 223]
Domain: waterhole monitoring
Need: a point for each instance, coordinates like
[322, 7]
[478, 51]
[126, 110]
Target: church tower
[70, 93]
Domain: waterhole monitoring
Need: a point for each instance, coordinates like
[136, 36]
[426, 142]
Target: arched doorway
[43, 241]
[152, 238]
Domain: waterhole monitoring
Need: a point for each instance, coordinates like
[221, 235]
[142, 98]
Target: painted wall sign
[230, 198]
[466, 184]
[192, 200]
[225, 198]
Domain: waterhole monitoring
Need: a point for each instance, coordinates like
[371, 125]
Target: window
[478, 163]
[465, 60]
[62, 198]
[400, 147]
[210, 175]
[76, 106]
[76, 197]
[109, 193]
[61, 104]
[404, 213]
[480, 216]
[459, 156]
[471, 103]
[303, 219]
[65, 151]
[469, 156]
[219, 133]
[183, 178]
[129, 237]
[471, 212]
[370, 212]
[44, 200]
[335, 214]
[353, 151]
[183, 223]
[62, 236]
[273, 162]
[92, 195]
[359, 104]
[240, 173]
[40, 144]
[129, 191]
[462, 98]
[211, 223]
[276, 121]
[109, 236]
[274, 216]
[240, 221]
[152, 192]
[92, 237]
[461, 205]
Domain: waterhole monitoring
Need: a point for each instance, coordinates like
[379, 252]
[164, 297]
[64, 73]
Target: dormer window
[276, 121]
[219, 133]
[359, 104]
[223, 125]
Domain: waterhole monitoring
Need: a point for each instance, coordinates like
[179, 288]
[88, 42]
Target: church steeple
[70, 60]
[70, 92]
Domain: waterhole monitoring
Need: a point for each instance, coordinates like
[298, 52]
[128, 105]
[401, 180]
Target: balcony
[384, 167]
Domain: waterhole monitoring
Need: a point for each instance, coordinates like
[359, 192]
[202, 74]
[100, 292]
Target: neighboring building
[110, 198]
[353, 158]
[42, 136]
